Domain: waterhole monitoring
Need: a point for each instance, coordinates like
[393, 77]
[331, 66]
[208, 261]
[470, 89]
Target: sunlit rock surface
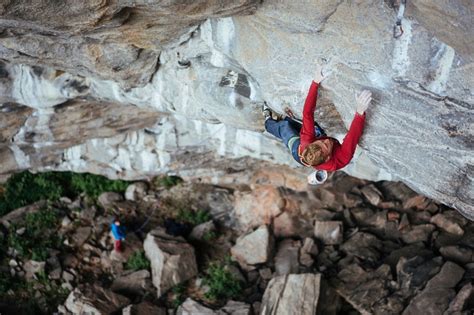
[132, 91]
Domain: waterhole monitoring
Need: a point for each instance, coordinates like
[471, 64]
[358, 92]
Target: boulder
[32, 268]
[363, 245]
[191, 307]
[444, 222]
[413, 273]
[308, 251]
[258, 207]
[17, 215]
[143, 308]
[253, 248]
[136, 191]
[107, 199]
[418, 233]
[80, 236]
[461, 301]
[203, 230]
[172, 260]
[235, 308]
[459, 254]
[94, 300]
[286, 258]
[292, 294]
[439, 291]
[329, 232]
[363, 288]
[290, 224]
[372, 194]
[409, 251]
[134, 283]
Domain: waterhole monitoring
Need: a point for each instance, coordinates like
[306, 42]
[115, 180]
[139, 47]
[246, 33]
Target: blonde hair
[312, 155]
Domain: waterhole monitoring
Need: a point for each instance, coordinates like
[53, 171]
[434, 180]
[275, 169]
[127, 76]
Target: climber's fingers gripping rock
[318, 76]
[363, 101]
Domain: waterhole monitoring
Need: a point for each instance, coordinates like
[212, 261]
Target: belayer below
[118, 232]
[308, 144]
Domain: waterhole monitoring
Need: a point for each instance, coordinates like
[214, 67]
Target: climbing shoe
[266, 111]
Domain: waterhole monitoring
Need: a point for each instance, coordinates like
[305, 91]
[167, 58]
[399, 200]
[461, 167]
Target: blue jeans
[288, 128]
[283, 129]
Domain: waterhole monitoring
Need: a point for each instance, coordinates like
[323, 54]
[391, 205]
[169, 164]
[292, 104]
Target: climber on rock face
[308, 143]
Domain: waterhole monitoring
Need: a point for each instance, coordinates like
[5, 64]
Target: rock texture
[95, 300]
[254, 248]
[292, 294]
[198, 81]
[172, 260]
[439, 291]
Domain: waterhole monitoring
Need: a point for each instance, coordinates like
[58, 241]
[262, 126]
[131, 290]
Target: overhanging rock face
[203, 91]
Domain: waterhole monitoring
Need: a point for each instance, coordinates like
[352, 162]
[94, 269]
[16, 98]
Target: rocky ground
[346, 247]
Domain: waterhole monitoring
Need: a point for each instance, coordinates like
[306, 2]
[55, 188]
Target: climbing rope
[398, 29]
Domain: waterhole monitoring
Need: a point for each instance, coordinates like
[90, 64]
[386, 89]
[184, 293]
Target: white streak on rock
[33, 90]
[401, 59]
[443, 61]
[22, 160]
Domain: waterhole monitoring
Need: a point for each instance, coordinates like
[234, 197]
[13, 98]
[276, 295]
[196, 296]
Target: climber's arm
[307, 131]
[343, 154]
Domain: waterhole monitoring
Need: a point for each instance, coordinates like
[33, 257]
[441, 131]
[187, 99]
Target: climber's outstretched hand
[318, 76]
[363, 101]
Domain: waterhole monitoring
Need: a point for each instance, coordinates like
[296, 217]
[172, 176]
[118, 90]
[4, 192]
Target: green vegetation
[39, 235]
[222, 283]
[137, 261]
[52, 294]
[209, 236]
[94, 185]
[25, 188]
[178, 295]
[24, 295]
[193, 217]
[167, 181]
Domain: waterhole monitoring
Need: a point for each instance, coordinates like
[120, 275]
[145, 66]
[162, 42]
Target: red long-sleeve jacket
[341, 153]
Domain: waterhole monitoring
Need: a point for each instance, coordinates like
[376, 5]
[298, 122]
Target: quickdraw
[398, 29]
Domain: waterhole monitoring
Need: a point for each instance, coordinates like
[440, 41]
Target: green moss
[39, 236]
[137, 261]
[167, 181]
[25, 188]
[209, 236]
[94, 185]
[178, 295]
[222, 283]
[24, 295]
[193, 217]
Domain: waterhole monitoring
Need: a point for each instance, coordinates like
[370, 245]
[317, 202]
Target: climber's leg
[281, 129]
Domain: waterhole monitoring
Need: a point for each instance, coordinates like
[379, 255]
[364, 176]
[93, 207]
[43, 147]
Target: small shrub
[193, 217]
[137, 261]
[41, 296]
[39, 236]
[209, 236]
[25, 188]
[52, 293]
[222, 283]
[178, 295]
[94, 185]
[167, 181]
[7, 283]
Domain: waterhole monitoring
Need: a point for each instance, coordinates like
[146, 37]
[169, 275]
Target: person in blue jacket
[118, 232]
